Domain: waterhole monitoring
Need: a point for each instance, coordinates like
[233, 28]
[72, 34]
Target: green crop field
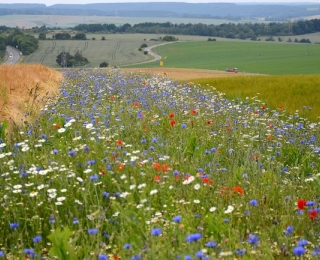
[190, 52]
[115, 51]
[252, 57]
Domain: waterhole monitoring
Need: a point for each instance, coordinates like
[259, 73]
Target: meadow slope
[138, 166]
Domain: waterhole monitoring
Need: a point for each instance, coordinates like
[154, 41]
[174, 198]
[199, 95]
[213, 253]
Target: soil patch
[185, 74]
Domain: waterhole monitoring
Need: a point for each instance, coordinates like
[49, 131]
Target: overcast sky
[51, 2]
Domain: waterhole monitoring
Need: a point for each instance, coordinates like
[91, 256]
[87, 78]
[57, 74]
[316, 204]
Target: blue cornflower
[177, 219]
[183, 126]
[75, 221]
[94, 178]
[298, 250]
[226, 220]
[1, 253]
[156, 232]
[187, 257]
[86, 148]
[241, 252]
[91, 162]
[288, 230]
[92, 231]
[253, 203]
[310, 203]
[213, 149]
[72, 153]
[29, 251]
[211, 244]
[106, 194]
[102, 257]
[52, 219]
[37, 239]
[33, 255]
[135, 257]
[175, 173]
[193, 237]
[302, 242]
[154, 140]
[14, 225]
[127, 246]
[253, 239]
[200, 255]
[316, 251]
[55, 151]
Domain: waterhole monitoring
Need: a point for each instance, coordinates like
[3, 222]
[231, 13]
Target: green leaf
[61, 248]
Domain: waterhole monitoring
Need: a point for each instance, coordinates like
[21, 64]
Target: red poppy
[193, 112]
[301, 204]
[157, 178]
[256, 112]
[165, 167]
[207, 180]
[313, 214]
[171, 115]
[264, 107]
[121, 166]
[57, 126]
[208, 122]
[101, 169]
[136, 104]
[280, 107]
[112, 97]
[238, 189]
[157, 166]
[172, 122]
[119, 142]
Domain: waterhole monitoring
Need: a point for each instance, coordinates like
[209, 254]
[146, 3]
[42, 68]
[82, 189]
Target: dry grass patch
[24, 89]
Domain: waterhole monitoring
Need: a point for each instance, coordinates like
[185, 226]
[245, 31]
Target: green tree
[64, 59]
[103, 65]
[80, 36]
[42, 36]
[79, 60]
[62, 36]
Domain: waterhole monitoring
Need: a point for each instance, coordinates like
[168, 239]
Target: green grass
[250, 57]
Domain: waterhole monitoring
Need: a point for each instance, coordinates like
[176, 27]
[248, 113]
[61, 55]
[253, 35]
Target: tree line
[230, 30]
[26, 43]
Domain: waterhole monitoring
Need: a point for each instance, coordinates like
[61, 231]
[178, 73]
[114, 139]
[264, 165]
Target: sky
[51, 2]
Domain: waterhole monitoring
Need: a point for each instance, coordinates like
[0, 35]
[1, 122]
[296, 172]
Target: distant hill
[171, 9]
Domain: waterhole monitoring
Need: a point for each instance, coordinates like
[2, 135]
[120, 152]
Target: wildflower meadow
[133, 166]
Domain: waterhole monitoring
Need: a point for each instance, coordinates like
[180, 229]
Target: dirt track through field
[185, 74]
